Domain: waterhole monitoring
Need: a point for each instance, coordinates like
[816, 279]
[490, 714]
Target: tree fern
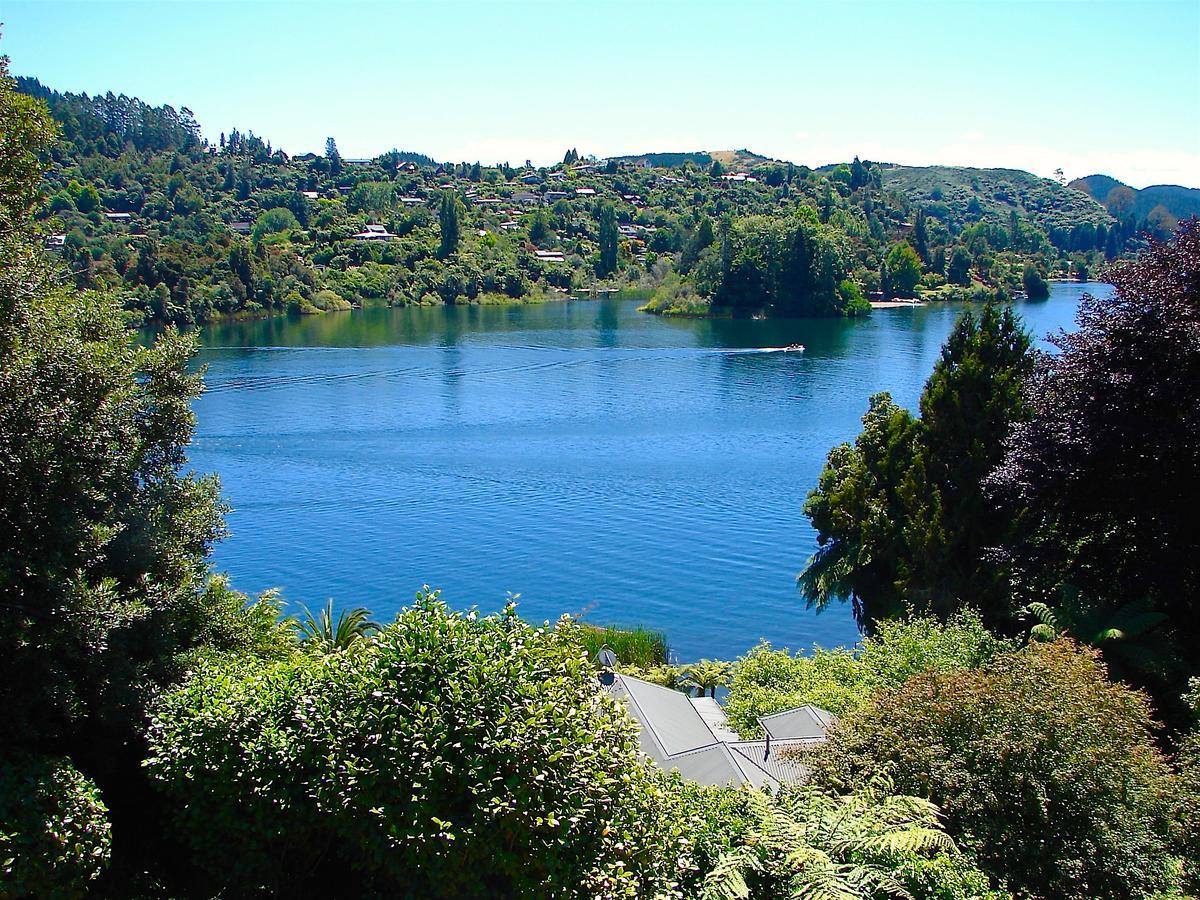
[811, 845]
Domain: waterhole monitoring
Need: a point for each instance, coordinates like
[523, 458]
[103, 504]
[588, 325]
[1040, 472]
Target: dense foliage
[767, 681]
[902, 518]
[54, 834]
[187, 231]
[1044, 769]
[449, 756]
[869, 843]
[104, 585]
[1099, 474]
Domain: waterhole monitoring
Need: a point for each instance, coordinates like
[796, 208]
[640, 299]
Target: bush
[638, 647]
[447, 756]
[1186, 821]
[54, 832]
[1045, 770]
[767, 681]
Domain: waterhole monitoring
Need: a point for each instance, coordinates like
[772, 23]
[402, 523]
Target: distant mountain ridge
[1178, 201]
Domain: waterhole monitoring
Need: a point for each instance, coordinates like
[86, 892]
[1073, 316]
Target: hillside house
[374, 233]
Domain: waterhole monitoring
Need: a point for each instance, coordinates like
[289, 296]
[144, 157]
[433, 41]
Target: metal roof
[809, 722]
[691, 735]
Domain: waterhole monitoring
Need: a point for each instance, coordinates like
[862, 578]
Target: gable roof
[691, 736]
[806, 722]
[667, 714]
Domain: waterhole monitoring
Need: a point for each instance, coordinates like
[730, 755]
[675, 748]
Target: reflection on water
[585, 455]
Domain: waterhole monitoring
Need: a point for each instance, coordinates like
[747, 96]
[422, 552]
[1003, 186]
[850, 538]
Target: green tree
[104, 582]
[902, 271]
[607, 264]
[274, 221]
[332, 157]
[858, 174]
[1045, 771]
[959, 269]
[707, 675]
[1034, 284]
[1109, 457]
[921, 236]
[450, 227]
[902, 517]
[55, 838]
[88, 199]
[809, 843]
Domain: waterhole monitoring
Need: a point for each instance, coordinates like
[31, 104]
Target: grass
[637, 646]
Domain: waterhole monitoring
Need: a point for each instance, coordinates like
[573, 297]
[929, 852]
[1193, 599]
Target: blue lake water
[589, 457]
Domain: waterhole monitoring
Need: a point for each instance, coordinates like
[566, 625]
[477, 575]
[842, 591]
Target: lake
[589, 457]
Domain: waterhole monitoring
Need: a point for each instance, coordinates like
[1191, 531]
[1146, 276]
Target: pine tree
[902, 516]
[858, 174]
[607, 264]
[334, 158]
[451, 229]
[921, 236]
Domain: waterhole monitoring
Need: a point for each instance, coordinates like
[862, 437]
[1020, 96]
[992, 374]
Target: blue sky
[1089, 87]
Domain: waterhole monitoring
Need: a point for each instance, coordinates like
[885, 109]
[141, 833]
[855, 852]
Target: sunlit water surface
[587, 456]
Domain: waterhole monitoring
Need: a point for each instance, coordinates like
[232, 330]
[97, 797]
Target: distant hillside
[961, 196]
[1179, 202]
[730, 159]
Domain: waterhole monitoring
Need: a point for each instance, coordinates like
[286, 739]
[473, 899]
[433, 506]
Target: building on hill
[691, 735]
[374, 233]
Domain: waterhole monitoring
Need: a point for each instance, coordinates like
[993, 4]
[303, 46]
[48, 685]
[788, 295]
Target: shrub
[767, 681]
[54, 831]
[446, 756]
[1044, 769]
[636, 646]
[1186, 820]
[869, 843]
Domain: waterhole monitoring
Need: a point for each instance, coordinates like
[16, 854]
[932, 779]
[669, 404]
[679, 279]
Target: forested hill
[961, 195]
[138, 202]
[1163, 204]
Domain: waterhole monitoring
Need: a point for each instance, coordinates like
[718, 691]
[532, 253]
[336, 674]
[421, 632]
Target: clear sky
[1092, 86]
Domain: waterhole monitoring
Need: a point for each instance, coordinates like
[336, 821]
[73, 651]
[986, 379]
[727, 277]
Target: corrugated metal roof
[667, 714]
[808, 722]
[692, 736]
[714, 717]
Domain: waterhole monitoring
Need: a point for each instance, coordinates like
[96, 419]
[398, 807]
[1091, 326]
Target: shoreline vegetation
[135, 201]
